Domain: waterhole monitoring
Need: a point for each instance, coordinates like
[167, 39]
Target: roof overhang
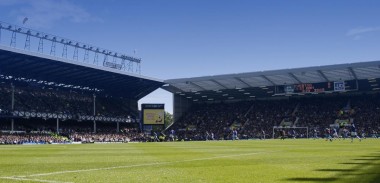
[255, 81]
[21, 63]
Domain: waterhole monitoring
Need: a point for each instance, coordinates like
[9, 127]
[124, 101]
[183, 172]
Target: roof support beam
[352, 72]
[50, 72]
[220, 84]
[13, 64]
[239, 79]
[191, 83]
[145, 92]
[100, 76]
[17, 65]
[270, 81]
[79, 75]
[171, 88]
[63, 72]
[37, 71]
[105, 83]
[295, 77]
[323, 75]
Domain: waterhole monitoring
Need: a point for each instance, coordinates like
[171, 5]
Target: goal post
[287, 128]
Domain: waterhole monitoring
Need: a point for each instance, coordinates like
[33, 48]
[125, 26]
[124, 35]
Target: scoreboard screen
[337, 86]
[153, 114]
[313, 88]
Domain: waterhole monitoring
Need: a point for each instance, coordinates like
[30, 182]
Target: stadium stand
[254, 117]
[34, 97]
[36, 105]
[46, 98]
[40, 103]
[55, 97]
[296, 103]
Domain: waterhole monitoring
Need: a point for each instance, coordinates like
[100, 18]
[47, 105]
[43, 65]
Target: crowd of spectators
[252, 119]
[41, 97]
[211, 118]
[257, 118]
[34, 97]
[30, 138]
[124, 135]
[365, 110]
[204, 121]
[264, 115]
[320, 112]
[70, 135]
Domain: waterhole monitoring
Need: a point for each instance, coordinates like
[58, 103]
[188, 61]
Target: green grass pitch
[250, 161]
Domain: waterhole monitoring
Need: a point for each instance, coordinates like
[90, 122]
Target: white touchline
[34, 180]
[119, 167]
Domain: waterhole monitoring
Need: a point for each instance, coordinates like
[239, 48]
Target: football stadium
[69, 113]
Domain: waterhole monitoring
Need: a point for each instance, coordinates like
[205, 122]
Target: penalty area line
[139, 165]
[33, 180]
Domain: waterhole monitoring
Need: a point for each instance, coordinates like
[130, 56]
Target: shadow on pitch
[366, 169]
[312, 179]
[335, 170]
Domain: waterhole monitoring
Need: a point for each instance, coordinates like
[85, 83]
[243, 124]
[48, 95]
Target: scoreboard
[337, 86]
[153, 114]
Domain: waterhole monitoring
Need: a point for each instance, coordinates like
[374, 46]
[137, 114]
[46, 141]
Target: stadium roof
[32, 65]
[227, 84]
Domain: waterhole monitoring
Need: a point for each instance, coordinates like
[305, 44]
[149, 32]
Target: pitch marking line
[33, 180]
[25, 177]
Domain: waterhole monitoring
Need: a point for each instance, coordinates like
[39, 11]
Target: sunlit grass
[217, 161]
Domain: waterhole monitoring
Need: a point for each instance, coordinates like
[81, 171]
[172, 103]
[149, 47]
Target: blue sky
[178, 38]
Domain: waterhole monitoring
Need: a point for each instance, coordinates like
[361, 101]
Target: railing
[30, 40]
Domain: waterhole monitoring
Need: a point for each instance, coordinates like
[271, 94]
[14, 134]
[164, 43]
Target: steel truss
[119, 61]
